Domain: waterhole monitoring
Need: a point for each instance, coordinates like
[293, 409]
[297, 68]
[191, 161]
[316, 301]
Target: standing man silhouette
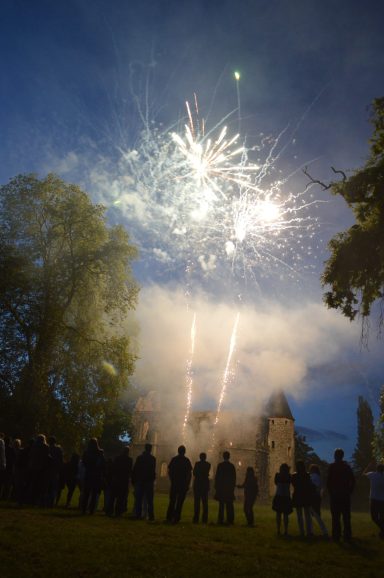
[340, 485]
[180, 473]
[225, 482]
[143, 478]
[201, 488]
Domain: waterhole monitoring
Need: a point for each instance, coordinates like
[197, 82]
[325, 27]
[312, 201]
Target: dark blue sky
[77, 74]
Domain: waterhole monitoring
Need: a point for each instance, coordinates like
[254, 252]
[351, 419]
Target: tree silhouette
[65, 290]
[355, 269]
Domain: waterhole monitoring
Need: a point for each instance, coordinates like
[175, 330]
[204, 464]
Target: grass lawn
[59, 542]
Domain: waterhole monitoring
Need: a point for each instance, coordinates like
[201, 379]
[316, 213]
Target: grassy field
[57, 543]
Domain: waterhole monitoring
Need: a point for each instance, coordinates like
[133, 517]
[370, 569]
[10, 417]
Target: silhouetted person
[2, 453]
[55, 469]
[303, 491]
[62, 482]
[107, 482]
[143, 478]
[282, 503]
[225, 483]
[340, 485]
[72, 477]
[251, 491]
[315, 476]
[16, 444]
[376, 495]
[7, 473]
[39, 464]
[201, 488]
[22, 474]
[94, 464]
[180, 474]
[121, 472]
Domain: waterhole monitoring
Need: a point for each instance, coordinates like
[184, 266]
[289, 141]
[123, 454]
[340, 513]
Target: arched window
[273, 445]
[164, 470]
[289, 451]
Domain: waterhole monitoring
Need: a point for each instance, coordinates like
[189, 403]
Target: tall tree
[355, 269]
[378, 439]
[363, 454]
[65, 290]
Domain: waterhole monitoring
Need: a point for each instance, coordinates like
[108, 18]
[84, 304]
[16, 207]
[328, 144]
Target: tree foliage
[363, 454]
[355, 269]
[65, 290]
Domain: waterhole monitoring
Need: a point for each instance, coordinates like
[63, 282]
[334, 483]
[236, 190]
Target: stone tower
[281, 440]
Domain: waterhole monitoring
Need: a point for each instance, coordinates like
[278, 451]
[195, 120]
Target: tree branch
[318, 182]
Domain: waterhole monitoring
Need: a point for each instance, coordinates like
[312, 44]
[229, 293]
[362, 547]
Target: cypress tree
[363, 454]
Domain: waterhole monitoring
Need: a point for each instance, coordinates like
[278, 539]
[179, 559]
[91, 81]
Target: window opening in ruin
[289, 451]
[273, 445]
[145, 430]
[163, 470]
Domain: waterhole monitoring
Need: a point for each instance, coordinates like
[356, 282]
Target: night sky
[82, 79]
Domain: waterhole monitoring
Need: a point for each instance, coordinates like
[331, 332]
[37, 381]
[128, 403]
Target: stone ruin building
[263, 442]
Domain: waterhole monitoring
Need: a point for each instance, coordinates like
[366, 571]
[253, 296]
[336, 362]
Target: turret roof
[278, 406]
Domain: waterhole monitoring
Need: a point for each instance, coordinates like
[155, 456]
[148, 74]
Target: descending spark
[189, 376]
[227, 375]
[237, 76]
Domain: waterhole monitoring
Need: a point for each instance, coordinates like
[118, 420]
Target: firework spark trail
[227, 375]
[189, 377]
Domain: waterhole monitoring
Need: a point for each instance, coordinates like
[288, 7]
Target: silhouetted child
[251, 491]
[315, 476]
[282, 503]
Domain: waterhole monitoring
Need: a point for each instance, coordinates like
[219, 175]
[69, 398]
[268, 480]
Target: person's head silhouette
[338, 455]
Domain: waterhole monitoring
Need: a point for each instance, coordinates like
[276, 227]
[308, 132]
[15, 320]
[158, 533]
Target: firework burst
[198, 196]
